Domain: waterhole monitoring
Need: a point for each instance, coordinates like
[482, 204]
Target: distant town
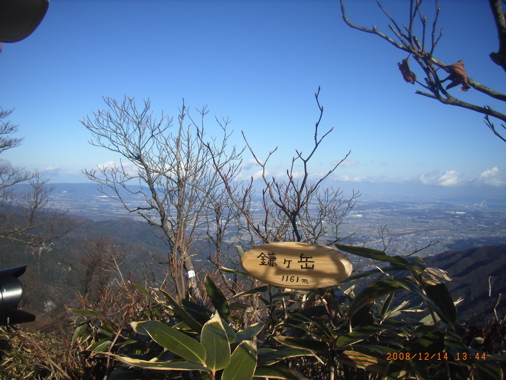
[405, 226]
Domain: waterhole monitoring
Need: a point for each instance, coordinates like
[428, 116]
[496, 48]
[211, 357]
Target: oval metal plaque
[296, 265]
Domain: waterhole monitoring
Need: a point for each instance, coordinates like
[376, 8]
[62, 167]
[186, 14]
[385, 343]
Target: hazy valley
[407, 226]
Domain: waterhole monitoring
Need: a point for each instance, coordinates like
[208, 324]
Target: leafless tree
[296, 208]
[95, 265]
[25, 216]
[421, 47]
[168, 169]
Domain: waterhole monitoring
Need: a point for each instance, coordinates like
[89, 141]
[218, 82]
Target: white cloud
[448, 178]
[493, 177]
[246, 175]
[128, 167]
[50, 171]
[352, 179]
[348, 163]
[108, 164]
[248, 165]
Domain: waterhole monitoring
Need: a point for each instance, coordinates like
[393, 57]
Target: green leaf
[229, 330]
[243, 362]
[374, 348]
[441, 296]
[372, 254]
[234, 271]
[371, 272]
[413, 287]
[367, 296]
[198, 312]
[386, 305]
[249, 333]
[217, 298]
[363, 361]
[260, 289]
[142, 290]
[187, 318]
[307, 344]
[456, 348]
[413, 263]
[359, 335]
[272, 357]
[277, 372]
[173, 340]
[431, 342]
[307, 317]
[101, 346]
[81, 333]
[215, 340]
[92, 313]
[175, 365]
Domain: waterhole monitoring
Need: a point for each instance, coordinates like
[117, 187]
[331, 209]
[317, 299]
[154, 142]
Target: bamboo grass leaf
[215, 341]
[243, 362]
[173, 340]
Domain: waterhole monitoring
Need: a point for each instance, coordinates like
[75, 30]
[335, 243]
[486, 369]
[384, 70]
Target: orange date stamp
[459, 356]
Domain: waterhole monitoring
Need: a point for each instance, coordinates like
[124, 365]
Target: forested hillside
[479, 278]
[54, 272]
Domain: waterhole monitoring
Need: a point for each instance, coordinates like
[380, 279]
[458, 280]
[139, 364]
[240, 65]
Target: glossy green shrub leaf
[367, 296]
[234, 271]
[372, 254]
[81, 333]
[217, 298]
[101, 346]
[243, 362]
[305, 318]
[260, 289]
[371, 272]
[229, 330]
[487, 371]
[174, 365]
[409, 284]
[441, 296]
[200, 313]
[307, 344]
[360, 334]
[249, 333]
[173, 340]
[414, 263]
[386, 305]
[363, 361]
[429, 342]
[183, 314]
[274, 356]
[383, 350]
[277, 372]
[215, 341]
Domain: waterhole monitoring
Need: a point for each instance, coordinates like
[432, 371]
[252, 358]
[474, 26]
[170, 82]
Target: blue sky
[258, 63]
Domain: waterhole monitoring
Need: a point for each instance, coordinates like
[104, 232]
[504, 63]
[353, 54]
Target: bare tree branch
[499, 57]
[406, 40]
[24, 197]
[294, 209]
[168, 167]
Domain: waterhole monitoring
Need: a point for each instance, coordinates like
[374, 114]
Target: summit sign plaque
[297, 265]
